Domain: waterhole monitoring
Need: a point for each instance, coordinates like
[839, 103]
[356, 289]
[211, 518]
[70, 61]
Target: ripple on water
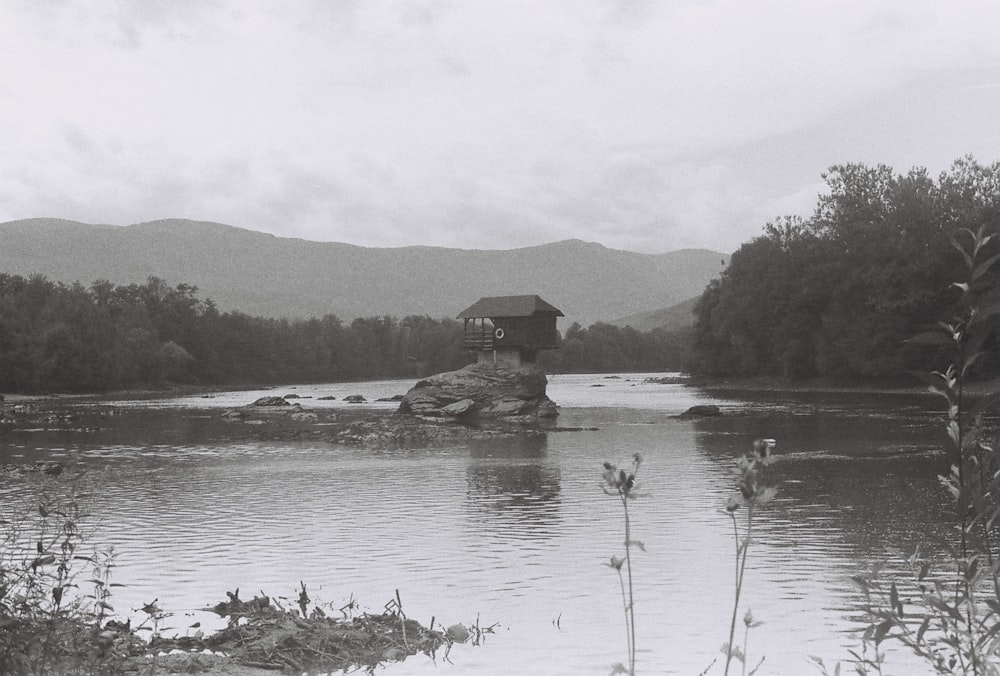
[521, 534]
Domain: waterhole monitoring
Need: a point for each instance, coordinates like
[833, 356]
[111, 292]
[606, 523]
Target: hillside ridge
[283, 277]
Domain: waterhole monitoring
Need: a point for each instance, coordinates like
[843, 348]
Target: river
[518, 533]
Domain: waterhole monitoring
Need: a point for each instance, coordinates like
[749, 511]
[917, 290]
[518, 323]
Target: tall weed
[54, 595]
[621, 484]
[751, 495]
[951, 618]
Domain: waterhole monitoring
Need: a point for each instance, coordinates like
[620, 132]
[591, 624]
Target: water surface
[517, 531]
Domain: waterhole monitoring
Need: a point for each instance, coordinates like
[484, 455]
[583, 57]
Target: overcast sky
[641, 125]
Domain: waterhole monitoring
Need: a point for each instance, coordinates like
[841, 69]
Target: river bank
[755, 384]
[115, 420]
[190, 415]
[261, 636]
[776, 385]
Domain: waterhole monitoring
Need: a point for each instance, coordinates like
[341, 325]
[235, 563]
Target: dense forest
[70, 338]
[837, 295]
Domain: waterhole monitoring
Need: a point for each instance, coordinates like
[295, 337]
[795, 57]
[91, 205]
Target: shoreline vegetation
[110, 338]
[840, 293]
[264, 635]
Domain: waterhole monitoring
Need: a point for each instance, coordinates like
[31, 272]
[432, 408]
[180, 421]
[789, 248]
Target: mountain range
[261, 274]
[674, 317]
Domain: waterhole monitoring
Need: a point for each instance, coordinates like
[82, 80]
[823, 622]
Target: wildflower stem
[960, 451]
[741, 562]
[628, 626]
[621, 483]
[963, 508]
[631, 597]
[746, 638]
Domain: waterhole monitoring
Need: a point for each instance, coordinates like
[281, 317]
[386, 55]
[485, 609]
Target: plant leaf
[930, 338]
[984, 313]
[984, 267]
[970, 361]
[958, 245]
[923, 628]
[881, 631]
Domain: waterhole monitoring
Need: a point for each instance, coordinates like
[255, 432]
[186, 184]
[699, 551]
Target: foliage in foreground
[751, 495]
[54, 596]
[621, 484]
[304, 637]
[951, 618]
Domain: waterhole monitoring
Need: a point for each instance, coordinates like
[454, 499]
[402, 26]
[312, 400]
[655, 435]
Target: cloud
[641, 125]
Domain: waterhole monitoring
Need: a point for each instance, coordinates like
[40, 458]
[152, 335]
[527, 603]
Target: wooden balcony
[478, 341]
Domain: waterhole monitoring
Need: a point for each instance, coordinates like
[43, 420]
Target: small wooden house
[510, 329]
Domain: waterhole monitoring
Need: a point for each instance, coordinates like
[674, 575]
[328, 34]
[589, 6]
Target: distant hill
[261, 274]
[680, 316]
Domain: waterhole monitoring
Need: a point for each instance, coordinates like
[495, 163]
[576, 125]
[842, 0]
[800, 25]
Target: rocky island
[483, 392]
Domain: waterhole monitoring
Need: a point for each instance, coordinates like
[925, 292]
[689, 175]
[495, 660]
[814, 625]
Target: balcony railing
[478, 341]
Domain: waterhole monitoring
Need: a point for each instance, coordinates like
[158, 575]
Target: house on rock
[504, 384]
[510, 330]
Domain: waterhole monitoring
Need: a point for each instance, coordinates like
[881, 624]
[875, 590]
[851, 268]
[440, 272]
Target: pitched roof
[509, 306]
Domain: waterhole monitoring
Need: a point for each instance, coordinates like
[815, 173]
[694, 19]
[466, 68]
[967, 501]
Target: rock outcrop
[482, 391]
[706, 410]
[271, 401]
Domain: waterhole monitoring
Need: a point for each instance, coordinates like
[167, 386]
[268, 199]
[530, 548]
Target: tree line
[837, 295]
[606, 348]
[57, 337]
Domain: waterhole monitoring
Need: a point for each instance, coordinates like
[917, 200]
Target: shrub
[952, 619]
[52, 613]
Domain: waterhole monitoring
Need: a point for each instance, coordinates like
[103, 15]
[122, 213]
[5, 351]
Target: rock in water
[271, 401]
[482, 391]
[703, 410]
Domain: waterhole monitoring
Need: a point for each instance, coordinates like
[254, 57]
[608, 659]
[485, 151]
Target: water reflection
[513, 487]
[520, 446]
[103, 427]
[859, 431]
[856, 478]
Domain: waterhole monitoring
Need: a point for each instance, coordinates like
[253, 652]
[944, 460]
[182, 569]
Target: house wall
[541, 331]
[534, 332]
[510, 357]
